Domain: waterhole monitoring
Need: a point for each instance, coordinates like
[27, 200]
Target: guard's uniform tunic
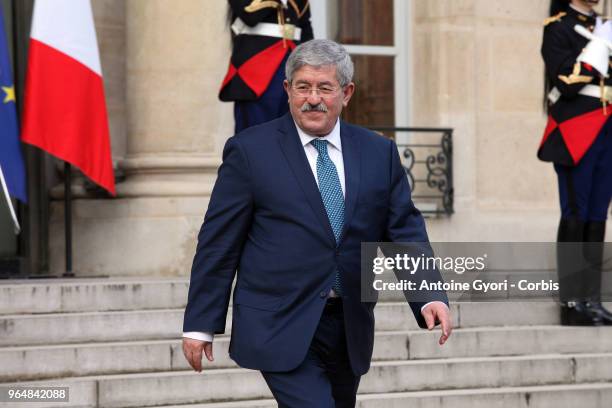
[264, 33]
[578, 136]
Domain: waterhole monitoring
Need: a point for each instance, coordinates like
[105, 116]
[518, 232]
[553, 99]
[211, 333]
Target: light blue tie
[331, 193]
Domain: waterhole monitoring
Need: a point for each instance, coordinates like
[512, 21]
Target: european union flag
[11, 157]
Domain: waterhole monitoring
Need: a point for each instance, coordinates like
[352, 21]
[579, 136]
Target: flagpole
[68, 218]
[9, 203]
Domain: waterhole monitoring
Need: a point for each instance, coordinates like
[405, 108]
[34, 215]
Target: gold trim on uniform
[605, 95]
[288, 31]
[554, 18]
[257, 5]
[297, 9]
[575, 77]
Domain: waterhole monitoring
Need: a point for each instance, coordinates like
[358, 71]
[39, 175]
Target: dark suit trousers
[325, 378]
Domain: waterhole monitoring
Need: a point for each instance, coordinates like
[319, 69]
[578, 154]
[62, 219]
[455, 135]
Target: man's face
[316, 98]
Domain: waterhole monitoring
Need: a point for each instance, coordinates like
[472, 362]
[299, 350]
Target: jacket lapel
[352, 176]
[298, 162]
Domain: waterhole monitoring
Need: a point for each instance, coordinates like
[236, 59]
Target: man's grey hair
[320, 53]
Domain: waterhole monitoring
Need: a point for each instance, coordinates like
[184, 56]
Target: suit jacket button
[323, 295]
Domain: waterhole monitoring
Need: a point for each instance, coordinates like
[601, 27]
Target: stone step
[185, 387]
[101, 294]
[91, 294]
[35, 296]
[91, 326]
[596, 395]
[60, 328]
[42, 362]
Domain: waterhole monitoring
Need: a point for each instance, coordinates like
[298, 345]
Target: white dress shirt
[334, 150]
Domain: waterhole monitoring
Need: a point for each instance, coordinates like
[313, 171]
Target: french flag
[65, 109]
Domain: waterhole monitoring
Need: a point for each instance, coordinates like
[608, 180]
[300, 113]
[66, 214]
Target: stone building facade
[474, 66]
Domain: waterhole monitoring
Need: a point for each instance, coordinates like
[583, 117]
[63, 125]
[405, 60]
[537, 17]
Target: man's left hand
[438, 312]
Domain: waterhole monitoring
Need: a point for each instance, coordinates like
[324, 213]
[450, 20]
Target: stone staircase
[116, 343]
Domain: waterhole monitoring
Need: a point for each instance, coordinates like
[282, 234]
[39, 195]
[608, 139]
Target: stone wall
[476, 68]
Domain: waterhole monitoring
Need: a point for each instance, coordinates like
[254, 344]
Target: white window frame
[401, 50]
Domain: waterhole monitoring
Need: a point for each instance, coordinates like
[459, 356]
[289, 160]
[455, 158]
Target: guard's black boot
[570, 259]
[580, 314]
[571, 266]
[604, 313]
[594, 233]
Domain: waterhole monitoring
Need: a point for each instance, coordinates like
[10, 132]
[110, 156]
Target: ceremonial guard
[264, 32]
[578, 140]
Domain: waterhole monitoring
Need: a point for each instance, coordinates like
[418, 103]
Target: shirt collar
[333, 138]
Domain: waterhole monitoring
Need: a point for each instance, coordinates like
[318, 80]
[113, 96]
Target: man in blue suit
[293, 201]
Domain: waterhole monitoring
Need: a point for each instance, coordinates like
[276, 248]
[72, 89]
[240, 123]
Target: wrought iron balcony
[427, 158]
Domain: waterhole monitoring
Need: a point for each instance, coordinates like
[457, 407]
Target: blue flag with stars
[11, 157]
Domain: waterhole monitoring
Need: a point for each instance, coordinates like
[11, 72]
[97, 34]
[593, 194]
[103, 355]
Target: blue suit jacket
[266, 220]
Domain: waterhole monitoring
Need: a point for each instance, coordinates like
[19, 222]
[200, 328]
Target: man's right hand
[192, 349]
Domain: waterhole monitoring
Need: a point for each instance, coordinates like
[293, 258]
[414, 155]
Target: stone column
[176, 54]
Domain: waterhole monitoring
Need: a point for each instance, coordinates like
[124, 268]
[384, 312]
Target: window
[375, 34]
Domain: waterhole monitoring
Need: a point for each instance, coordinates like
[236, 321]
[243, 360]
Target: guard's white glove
[603, 30]
[597, 51]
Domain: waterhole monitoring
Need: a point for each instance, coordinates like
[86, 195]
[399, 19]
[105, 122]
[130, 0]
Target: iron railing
[428, 163]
